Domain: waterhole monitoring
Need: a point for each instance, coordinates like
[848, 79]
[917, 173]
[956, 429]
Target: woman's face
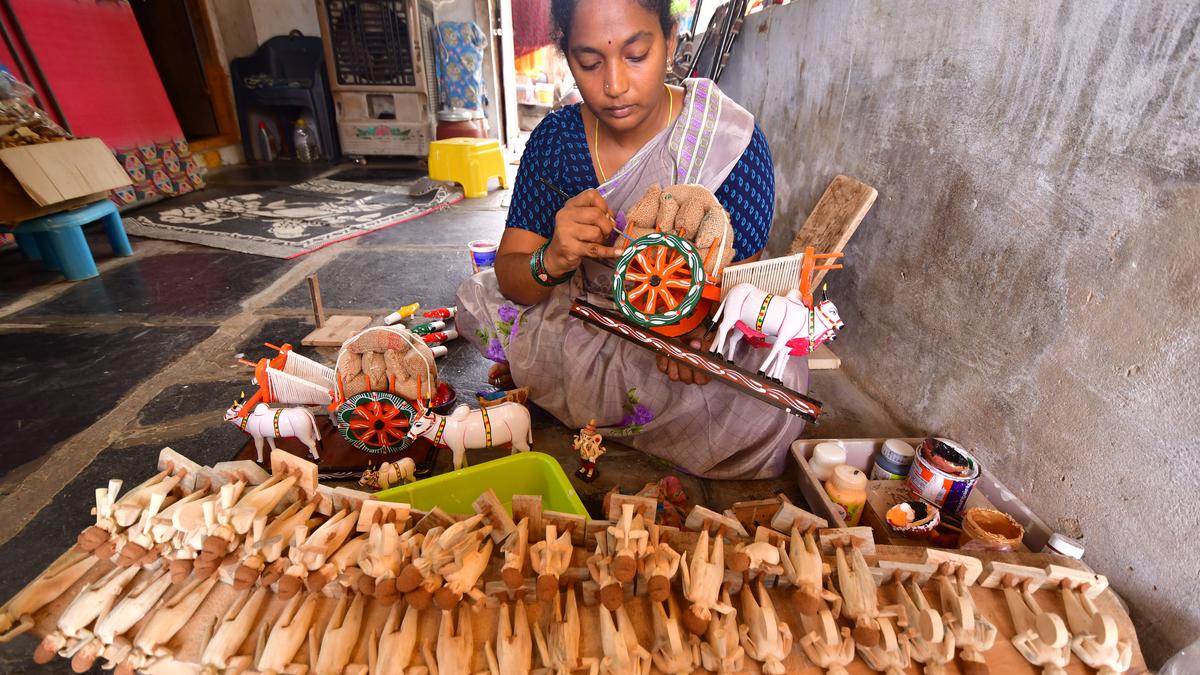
[618, 55]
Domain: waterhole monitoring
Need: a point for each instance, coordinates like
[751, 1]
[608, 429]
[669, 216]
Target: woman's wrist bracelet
[537, 267]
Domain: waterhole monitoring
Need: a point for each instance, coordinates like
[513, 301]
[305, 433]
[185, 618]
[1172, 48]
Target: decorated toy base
[729, 373]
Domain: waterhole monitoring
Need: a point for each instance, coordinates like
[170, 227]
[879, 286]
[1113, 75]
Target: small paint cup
[483, 254]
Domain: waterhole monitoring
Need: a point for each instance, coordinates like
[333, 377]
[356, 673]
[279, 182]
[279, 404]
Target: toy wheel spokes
[658, 280]
[659, 276]
[375, 421]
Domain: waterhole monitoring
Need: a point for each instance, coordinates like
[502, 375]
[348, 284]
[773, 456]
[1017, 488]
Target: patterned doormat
[289, 221]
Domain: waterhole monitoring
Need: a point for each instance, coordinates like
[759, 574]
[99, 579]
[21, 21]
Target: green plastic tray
[525, 473]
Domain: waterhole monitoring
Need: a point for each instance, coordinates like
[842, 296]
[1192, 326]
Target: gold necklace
[596, 134]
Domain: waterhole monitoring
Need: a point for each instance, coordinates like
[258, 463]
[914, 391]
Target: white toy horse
[271, 423]
[757, 315]
[466, 429]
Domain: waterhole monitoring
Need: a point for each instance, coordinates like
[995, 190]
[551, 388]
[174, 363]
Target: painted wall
[1028, 281]
[280, 17]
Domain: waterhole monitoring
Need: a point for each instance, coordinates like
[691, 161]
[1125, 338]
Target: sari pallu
[578, 372]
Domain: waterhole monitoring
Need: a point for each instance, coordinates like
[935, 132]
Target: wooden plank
[751, 513]
[647, 507]
[823, 358]
[814, 494]
[700, 518]
[973, 568]
[495, 515]
[337, 329]
[716, 368]
[834, 219]
[789, 515]
[529, 506]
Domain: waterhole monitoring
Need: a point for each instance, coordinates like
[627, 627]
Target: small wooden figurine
[587, 444]
[148, 646]
[1094, 636]
[890, 654]
[90, 603]
[391, 652]
[759, 557]
[765, 638]
[1040, 636]
[403, 470]
[673, 652]
[278, 644]
[550, 559]
[230, 629]
[722, 652]
[461, 575]
[16, 616]
[859, 600]
[929, 641]
[702, 578]
[659, 565]
[513, 652]
[334, 648]
[114, 623]
[600, 566]
[749, 312]
[271, 423]
[823, 643]
[466, 429]
[972, 631]
[623, 655]
[559, 651]
[627, 540]
[805, 569]
[516, 551]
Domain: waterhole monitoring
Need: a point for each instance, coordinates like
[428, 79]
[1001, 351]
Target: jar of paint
[847, 488]
[1065, 546]
[825, 457]
[893, 461]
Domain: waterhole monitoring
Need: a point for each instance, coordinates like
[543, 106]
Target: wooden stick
[314, 290]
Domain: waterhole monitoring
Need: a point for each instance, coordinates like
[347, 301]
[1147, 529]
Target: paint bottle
[427, 328]
[893, 461]
[401, 314]
[826, 456]
[1064, 545]
[441, 313]
[847, 488]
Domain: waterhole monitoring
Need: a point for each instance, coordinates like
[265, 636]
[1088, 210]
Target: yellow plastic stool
[471, 162]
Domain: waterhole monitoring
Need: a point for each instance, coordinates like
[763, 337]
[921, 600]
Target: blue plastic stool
[57, 239]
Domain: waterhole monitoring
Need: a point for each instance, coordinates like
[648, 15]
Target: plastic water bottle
[305, 141]
[268, 146]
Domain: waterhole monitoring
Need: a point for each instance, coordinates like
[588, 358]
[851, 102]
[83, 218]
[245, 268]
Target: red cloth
[97, 64]
[531, 25]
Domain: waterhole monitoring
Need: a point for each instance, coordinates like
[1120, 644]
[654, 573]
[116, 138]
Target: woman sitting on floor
[631, 132]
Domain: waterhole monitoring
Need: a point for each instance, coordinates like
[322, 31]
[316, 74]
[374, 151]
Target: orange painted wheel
[658, 280]
[376, 422]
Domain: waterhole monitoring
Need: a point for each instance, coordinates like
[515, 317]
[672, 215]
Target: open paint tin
[943, 473]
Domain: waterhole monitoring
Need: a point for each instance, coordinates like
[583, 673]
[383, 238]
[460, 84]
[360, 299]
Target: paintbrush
[618, 222]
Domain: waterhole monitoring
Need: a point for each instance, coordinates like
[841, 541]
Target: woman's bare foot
[500, 376]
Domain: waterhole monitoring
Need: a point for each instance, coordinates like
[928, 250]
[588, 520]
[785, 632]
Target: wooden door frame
[216, 73]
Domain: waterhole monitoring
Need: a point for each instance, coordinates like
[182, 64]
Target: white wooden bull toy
[757, 315]
[271, 423]
[466, 429]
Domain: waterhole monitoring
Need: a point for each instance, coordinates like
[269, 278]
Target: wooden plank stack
[229, 569]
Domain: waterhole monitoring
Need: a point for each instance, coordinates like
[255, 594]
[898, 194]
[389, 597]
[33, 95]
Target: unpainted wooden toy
[929, 641]
[148, 646]
[516, 551]
[702, 578]
[462, 574]
[627, 540]
[16, 616]
[623, 655]
[267, 540]
[513, 651]
[806, 570]
[90, 603]
[391, 653]
[756, 558]
[823, 643]
[421, 578]
[308, 554]
[129, 610]
[1040, 636]
[722, 652]
[559, 651]
[890, 654]
[600, 566]
[659, 565]
[136, 543]
[859, 600]
[765, 638]
[455, 648]
[550, 559]
[231, 629]
[277, 648]
[1094, 636]
[332, 650]
[972, 631]
[380, 558]
[673, 651]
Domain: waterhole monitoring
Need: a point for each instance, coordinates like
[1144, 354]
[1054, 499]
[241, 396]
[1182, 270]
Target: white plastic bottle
[305, 142]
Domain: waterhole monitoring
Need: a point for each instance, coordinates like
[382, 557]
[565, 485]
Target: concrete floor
[99, 375]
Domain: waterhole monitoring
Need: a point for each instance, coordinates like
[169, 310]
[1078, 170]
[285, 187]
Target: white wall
[279, 17]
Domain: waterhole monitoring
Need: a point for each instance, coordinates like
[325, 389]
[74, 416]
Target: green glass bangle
[537, 267]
